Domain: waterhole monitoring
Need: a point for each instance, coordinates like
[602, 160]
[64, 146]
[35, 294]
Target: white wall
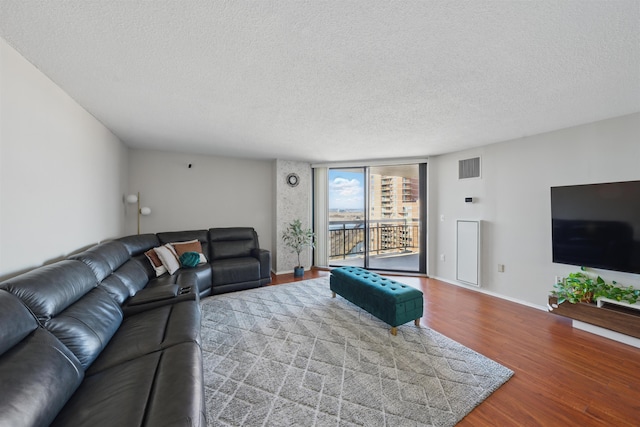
[513, 200]
[214, 192]
[292, 203]
[62, 174]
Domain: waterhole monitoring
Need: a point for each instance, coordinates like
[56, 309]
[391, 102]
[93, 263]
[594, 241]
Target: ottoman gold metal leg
[394, 331]
[333, 294]
[417, 322]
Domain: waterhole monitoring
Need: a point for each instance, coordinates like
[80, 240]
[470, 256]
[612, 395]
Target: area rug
[290, 355]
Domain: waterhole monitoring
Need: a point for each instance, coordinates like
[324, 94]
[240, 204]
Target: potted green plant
[618, 293]
[580, 287]
[297, 238]
[577, 287]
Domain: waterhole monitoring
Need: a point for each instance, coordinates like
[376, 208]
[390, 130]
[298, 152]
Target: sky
[346, 190]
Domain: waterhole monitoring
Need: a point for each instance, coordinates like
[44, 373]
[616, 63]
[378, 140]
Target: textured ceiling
[333, 80]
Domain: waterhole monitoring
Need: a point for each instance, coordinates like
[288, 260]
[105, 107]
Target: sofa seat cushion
[158, 389]
[149, 331]
[234, 270]
[37, 373]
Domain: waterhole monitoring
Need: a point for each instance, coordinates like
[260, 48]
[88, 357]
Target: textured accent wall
[291, 203]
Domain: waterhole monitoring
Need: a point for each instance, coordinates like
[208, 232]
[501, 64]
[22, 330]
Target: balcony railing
[347, 238]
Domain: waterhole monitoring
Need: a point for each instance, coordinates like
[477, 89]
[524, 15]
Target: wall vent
[469, 168]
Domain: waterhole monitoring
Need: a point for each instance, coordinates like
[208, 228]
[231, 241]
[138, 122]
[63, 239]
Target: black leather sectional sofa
[99, 340]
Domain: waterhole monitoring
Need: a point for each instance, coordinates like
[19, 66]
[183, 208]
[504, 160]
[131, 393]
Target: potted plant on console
[577, 287]
[590, 299]
[580, 287]
[297, 238]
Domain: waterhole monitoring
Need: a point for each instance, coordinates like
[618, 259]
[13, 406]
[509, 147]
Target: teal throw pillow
[190, 259]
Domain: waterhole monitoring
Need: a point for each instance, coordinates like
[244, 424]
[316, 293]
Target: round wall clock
[293, 179]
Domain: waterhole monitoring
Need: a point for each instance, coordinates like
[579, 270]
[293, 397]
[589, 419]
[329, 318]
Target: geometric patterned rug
[290, 355]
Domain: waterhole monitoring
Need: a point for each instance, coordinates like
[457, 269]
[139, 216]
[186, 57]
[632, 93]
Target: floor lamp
[135, 198]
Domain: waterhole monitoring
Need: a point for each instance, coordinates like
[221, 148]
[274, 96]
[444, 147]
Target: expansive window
[347, 217]
[376, 217]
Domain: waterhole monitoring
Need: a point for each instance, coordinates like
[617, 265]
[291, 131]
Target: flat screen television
[597, 225]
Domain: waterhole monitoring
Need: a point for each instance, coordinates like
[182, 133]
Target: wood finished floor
[563, 376]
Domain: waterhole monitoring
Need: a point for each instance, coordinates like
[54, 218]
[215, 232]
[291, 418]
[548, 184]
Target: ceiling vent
[469, 168]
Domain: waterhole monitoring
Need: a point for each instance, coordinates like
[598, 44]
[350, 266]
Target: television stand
[604, 302]
[614, 317]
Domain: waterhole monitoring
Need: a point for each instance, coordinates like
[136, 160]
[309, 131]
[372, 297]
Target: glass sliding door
[377, 217]
[347, 210]
[394, 218]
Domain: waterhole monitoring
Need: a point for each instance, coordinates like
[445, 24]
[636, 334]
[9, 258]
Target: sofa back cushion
[115, 288]
[233, 242]
[64, 298]
[37, 373]
[48, 290]
[95, 262]
[114, 252]
[146, 265]
[140, 243]
[133, 275]
[14, 313]
[104, 259]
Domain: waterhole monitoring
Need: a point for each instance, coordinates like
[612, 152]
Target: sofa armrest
[154, 297]
[158, 293]
[264, 256]
[199, 277]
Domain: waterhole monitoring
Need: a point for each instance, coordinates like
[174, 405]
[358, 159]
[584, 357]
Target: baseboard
[279, 273]
[493, 294]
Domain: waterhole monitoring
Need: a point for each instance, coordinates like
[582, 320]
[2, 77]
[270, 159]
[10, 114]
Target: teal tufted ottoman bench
[390, 301]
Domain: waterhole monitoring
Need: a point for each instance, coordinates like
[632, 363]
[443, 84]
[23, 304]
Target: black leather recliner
[145, 369]
[99, 340]
[200, 274]
[237, 262]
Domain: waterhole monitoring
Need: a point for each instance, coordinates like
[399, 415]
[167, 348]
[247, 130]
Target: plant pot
[298, 271]
[587, 297]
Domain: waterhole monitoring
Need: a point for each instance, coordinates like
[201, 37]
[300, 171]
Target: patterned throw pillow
[168, 257]
[189, 246]
[156, 263]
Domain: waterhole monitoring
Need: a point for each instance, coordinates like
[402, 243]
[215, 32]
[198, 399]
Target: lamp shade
[132, 198]
[145, 211]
